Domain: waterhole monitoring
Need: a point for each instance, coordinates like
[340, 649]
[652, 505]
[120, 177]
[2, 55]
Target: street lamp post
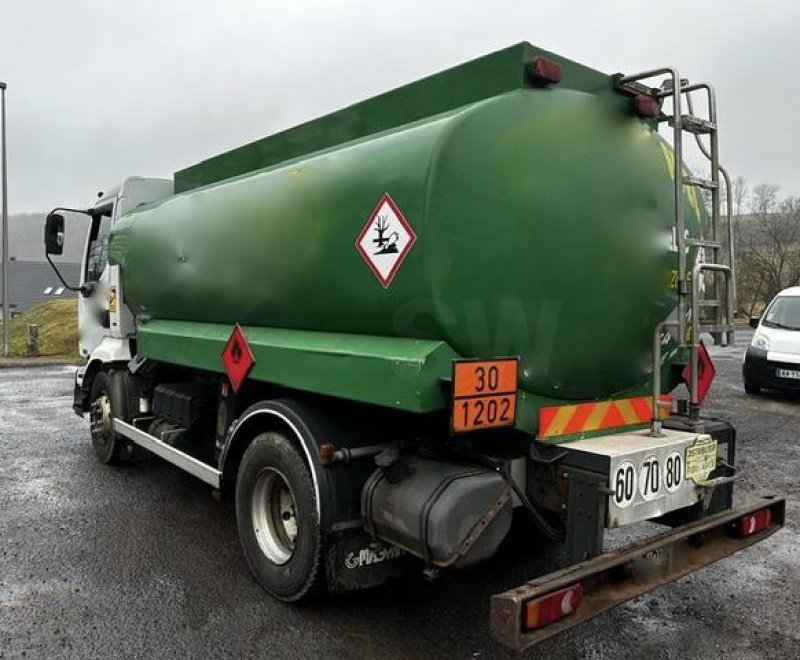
[6, 313]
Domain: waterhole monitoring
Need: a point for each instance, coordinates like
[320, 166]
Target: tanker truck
[393, 331]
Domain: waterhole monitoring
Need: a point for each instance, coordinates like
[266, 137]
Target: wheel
[751, 389]
[106, 401]
[277, 518]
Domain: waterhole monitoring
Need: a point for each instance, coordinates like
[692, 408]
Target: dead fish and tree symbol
[386, 244]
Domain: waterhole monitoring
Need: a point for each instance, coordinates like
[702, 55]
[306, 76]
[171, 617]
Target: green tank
[543, 220]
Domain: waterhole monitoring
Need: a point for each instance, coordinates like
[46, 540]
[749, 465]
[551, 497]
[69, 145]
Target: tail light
[544, 71]
[753, 523]
[551, 607]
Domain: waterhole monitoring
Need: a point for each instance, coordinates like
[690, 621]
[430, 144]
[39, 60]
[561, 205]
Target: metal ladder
[691, 301]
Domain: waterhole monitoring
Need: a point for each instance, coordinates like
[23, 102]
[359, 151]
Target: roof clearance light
[753, 523]
[646, 106]
[547, 609]
[544, 71]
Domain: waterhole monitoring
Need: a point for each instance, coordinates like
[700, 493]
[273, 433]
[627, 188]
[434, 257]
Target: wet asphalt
[140, 561]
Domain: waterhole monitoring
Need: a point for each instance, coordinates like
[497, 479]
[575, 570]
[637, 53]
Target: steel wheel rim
[274, 516]
[100, 420]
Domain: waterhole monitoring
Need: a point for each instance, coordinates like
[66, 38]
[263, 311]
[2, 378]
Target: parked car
[772, 359]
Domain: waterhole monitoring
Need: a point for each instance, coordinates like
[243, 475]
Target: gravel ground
[140, 561]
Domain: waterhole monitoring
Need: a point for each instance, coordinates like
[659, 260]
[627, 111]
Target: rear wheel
[751, 389]
[107, 401]
[277, 517]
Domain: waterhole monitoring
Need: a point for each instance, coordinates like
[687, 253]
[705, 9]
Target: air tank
[544, 229]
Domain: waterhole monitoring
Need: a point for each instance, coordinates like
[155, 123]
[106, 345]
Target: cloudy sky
[103, 89]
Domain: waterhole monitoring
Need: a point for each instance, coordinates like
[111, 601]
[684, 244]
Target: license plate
[484, 394]
[788, 373]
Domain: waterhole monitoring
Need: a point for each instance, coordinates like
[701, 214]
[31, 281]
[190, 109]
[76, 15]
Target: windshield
[784, 313]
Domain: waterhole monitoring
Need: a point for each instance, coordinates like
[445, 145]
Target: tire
[751, 389]
[107, 400]
[276, 514]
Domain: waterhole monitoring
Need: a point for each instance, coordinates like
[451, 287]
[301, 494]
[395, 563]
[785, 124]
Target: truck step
[700, 183]
[703, 242]
[184, 461]
[696, 125]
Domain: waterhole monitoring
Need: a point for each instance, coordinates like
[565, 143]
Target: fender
[108, 351]
[285, 414]
[311, 421]
[111, 349]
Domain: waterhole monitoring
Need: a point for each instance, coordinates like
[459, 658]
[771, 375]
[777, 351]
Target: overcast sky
[103, 89]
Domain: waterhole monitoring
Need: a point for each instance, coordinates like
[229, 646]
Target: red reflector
[551, 607]
[646, 106]
[542, 70]
[754, 522]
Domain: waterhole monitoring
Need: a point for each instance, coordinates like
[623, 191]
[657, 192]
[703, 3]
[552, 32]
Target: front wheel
[277, 517]
[107, 400]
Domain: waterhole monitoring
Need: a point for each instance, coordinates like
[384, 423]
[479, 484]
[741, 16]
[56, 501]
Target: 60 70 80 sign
[484, 394]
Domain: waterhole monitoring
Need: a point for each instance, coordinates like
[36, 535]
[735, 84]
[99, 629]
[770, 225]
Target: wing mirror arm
[54, 244]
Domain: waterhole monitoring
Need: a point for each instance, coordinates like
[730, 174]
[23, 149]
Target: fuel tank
[543, 228]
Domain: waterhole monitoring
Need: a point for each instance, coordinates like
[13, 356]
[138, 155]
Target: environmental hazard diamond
[385, 240]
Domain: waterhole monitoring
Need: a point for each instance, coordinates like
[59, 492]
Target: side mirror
[54, 234]
[754, 321]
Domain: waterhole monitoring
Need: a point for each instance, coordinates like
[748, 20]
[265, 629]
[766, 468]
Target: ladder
[696, 312]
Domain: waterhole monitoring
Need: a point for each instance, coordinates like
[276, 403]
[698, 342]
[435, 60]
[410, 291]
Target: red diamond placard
[705, 372]
[237, 358]
[385, 240]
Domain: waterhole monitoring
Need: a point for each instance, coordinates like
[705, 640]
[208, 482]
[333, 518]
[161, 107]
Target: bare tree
[768, 245]
[740, 193]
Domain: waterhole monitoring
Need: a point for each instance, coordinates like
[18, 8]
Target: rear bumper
[759, 371]
[616, 577]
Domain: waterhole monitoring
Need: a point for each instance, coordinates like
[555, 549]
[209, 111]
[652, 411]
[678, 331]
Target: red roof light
[544, 71]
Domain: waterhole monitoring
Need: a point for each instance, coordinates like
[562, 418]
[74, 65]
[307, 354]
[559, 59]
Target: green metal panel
[467, 83]
[410, 370]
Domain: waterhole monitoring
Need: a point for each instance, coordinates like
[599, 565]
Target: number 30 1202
[484, 394]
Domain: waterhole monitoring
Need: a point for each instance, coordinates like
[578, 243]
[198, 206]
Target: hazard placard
[484, 394]
[385, 240]
[705, 372]
[237, 358]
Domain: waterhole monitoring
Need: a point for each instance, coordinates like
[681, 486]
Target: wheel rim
[274, 516]
[100, 420]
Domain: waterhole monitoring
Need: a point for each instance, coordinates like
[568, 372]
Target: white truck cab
[772, 359]
[105, 324]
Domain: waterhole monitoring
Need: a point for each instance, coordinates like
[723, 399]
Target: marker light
[544, 71]
[753, 523]
[646, 106]
[551, 607]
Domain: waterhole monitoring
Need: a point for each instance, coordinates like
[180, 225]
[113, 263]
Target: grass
[58, 330]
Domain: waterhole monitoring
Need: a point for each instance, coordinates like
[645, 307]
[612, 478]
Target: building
[33, 282]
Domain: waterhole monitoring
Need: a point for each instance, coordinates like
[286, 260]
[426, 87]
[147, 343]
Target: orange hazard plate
[484, 394]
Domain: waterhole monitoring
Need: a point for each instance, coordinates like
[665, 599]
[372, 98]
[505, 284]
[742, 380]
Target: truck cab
[105, 323]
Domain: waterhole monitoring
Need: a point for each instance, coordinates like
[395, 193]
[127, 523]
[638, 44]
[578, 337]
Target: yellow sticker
[691, 192]
[701, 458]
[112, 300]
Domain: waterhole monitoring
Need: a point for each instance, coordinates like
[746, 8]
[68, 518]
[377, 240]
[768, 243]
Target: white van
[773, 358]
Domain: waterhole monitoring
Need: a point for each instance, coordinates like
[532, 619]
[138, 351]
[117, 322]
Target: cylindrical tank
[544, 224]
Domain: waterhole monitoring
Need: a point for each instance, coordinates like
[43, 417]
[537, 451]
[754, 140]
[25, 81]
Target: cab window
[97, 257]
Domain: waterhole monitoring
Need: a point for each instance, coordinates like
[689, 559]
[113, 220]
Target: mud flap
[355, 561]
